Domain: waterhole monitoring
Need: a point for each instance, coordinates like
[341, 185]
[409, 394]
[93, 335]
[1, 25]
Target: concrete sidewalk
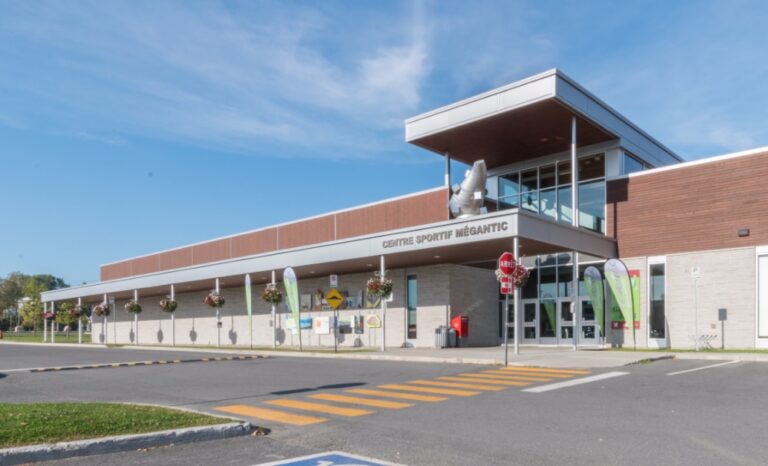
[563, 357]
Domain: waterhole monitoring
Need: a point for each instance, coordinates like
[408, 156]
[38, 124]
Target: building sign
[447, 234]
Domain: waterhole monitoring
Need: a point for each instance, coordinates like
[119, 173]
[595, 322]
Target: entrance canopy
[528, 119]
[461, 241]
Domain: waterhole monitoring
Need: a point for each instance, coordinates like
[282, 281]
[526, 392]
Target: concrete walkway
[563, 357]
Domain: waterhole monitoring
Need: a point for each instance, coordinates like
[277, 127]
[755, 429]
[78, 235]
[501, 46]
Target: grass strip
[34, 423]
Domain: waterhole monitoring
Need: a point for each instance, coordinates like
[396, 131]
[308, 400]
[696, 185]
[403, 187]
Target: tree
[32, 314]
[18, 285]
[11, 289]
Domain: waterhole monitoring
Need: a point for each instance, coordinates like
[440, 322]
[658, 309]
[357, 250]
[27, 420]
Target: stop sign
[507, 263]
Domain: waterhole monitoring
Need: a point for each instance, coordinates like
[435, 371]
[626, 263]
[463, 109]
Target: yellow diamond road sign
[334, 298]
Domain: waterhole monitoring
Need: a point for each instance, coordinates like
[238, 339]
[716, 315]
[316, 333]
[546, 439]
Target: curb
[647, 360]
[61, 450]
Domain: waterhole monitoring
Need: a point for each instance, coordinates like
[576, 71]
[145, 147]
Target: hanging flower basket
[101, 310]
[79, 310]
[379, 286]
[133, 307]
[168, 305]
[519, 275]
[214, 300]
[49, 315]
[272, 294]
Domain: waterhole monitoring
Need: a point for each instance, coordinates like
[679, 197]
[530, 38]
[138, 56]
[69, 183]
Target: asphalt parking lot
[673, 412]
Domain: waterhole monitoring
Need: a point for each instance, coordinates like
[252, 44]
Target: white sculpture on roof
[467, 199]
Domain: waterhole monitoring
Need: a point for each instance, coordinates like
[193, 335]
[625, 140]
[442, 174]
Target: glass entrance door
[565, 321]
[548, 321]
[530, 320]
[590, 331]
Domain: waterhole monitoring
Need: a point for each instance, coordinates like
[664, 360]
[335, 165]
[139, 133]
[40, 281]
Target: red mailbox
[461, 325]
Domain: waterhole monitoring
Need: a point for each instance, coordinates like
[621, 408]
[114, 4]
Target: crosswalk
[321, 407]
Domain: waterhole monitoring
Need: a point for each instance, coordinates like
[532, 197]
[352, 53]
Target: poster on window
[322, 325]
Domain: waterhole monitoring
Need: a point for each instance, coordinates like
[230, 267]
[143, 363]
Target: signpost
[507, 266]
[334, 299]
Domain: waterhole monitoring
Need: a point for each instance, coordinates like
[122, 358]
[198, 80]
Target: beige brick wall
[474, 292]
[727, 281]
[195, 323]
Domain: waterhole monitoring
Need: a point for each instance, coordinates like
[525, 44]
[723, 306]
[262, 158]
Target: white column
[218, 316]
[518, 301]
[136, 316]
[383, 311]
[173, 317]
[45, 323]
[575, 218]
[53, 322]
[104, 321]
[80, 324]
[274, 317]
[448, 169]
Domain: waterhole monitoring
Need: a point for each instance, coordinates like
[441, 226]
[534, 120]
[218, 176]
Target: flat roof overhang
[470, 240]
[528, 119]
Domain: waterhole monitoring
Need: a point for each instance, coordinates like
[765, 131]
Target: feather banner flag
[594, 284]
[292, 296]
[618, 279]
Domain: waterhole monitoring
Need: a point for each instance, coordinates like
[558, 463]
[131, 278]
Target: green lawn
[38, 338]
[33, 423]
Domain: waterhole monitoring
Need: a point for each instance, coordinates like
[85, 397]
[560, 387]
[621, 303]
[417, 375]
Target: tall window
[592, 193]
[411, 301]
[656, 317]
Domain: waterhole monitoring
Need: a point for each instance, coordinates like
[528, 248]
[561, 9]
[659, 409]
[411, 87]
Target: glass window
[530, 201]
[547, 177]
[564, 173]
[529, 180]
[548, 319]
[564, 207]
[631, 164]
[592, 167]
[548, 203]
[592, 205]
[548, 282]
[531, 288]
[509, 185]
[656, 319]
[411, 299]
[564, 278]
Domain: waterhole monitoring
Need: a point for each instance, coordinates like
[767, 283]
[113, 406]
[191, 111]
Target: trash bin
[451, 338]
[441, 336]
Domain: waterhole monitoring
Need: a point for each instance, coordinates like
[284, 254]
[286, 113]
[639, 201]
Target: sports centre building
[567, 183]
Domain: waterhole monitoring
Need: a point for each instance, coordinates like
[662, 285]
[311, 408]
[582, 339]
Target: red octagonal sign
[507, 263]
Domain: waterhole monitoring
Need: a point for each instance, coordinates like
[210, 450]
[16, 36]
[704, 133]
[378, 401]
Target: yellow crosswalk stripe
[320, 408]
[485, 380]
[398, 395]
[356, 400]
[469, 386]
[270, 415]
[547, 371]
[439, 391]
[527, 376]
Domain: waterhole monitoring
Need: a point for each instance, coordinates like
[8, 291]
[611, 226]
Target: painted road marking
[476, 386]
[330, 458]
[398, 395]
[546, 371]
[439, 391]
[320, 408]
[702, 368]
[527, 375]
[469, 378]
[356, 400]
[571, 383]
[270, 415]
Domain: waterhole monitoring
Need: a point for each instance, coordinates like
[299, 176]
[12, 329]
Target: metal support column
[575, 321]
[447, 169]
[173, 317]
[80, 323]
[218, 320]
[274, 316]
[382, 272]
[53, 322]
[136, 316]
[45, 323]
[517, 300]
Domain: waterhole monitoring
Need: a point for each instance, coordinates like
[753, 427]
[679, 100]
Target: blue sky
[130, 127]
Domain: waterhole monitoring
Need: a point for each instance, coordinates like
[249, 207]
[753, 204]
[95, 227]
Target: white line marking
[571, 383]
[702, 368]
